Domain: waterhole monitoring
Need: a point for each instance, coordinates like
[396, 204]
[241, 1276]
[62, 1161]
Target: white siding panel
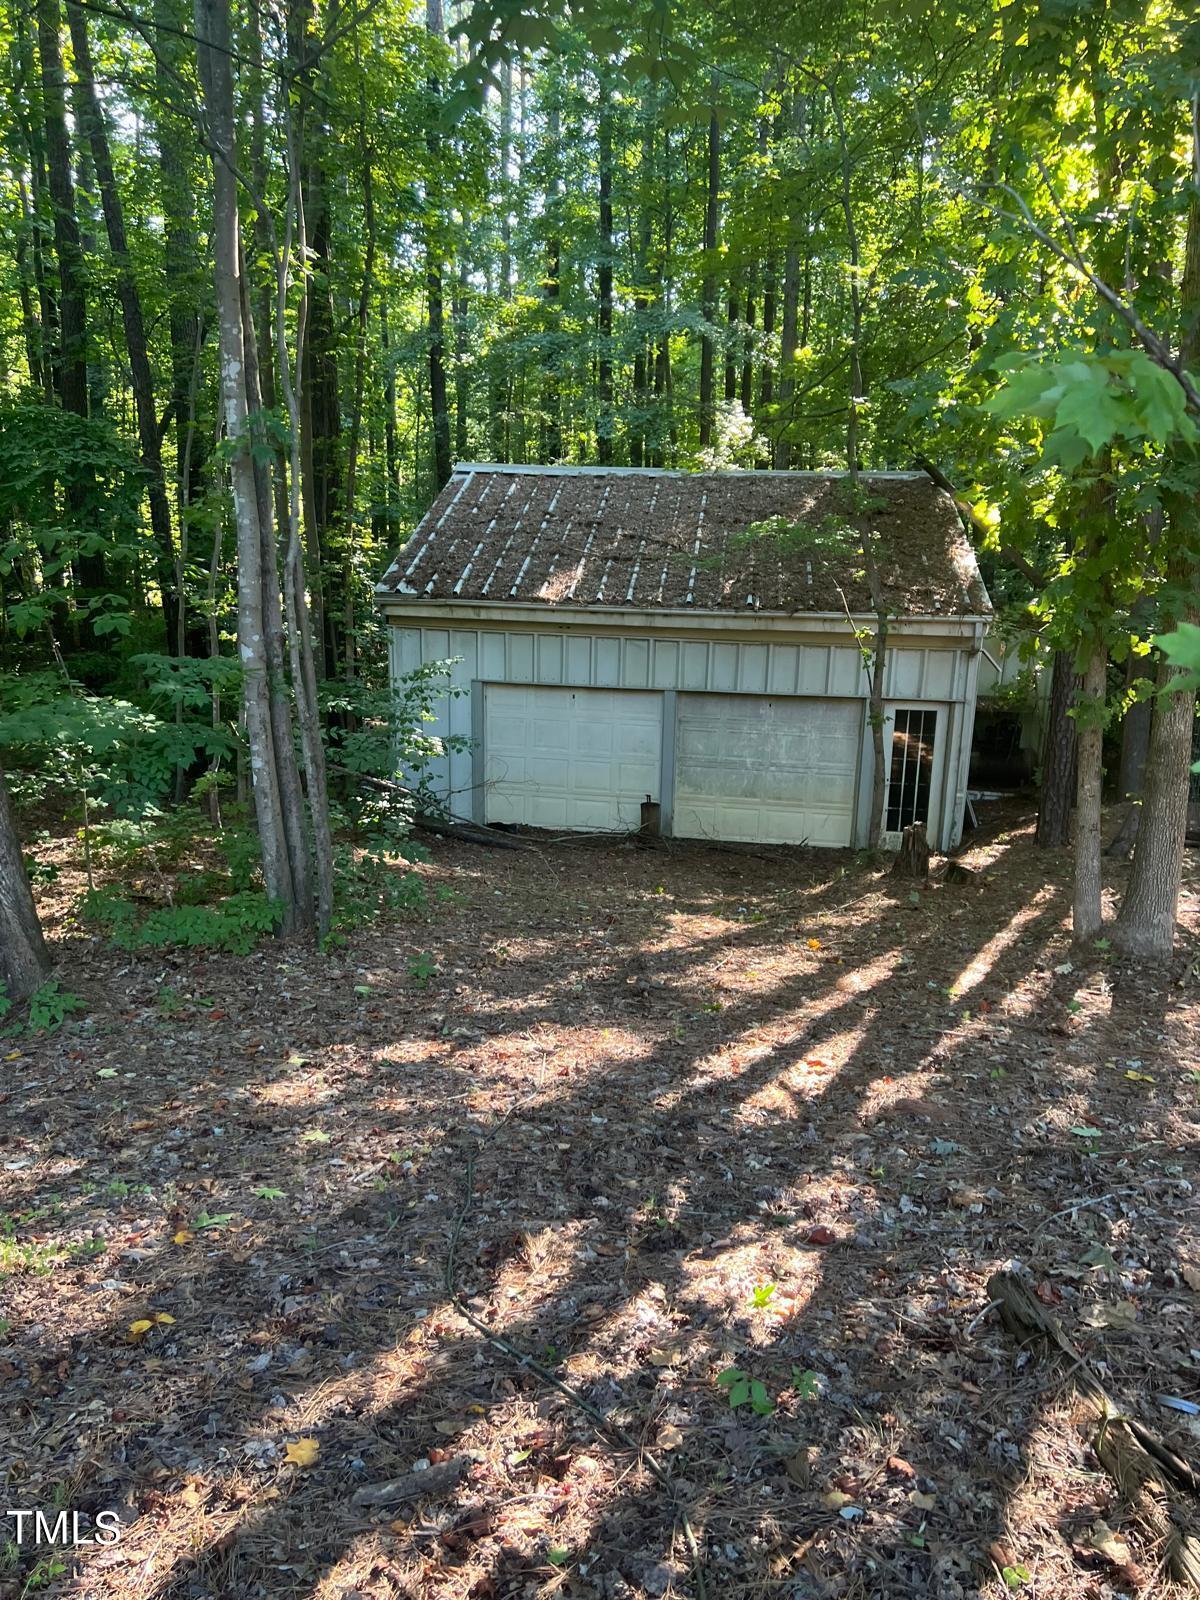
[493, 657]
[752, 669]
[570, 758]
[408, 649]
[846, 676]
[779, 771]
[436, 644]
[723, 667]
[636, 664]
[579, 660]
[520, 657]
[695, 666]
[940, 674]
[464, 645]
[550, 658]
[783, 668]
[606, 663]
[665, 663]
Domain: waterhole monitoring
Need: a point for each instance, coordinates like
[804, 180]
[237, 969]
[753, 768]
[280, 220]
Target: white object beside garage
[610, 642]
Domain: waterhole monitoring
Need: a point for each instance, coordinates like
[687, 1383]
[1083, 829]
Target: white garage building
[614, 642]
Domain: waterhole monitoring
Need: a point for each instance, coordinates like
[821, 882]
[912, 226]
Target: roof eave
[648, 617]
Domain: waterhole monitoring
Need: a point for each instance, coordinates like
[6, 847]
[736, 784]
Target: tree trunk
[24, 962]
[72, 307]
[604, 426]
[1145, 926]
[1059, 756]
[748, 357]
[1135, 746]
[708, 291]
[552, 445]
[302, 646]
[787, 354]
[180, 262]
[1087, 914]
[135, 328]
[71, 355]
[213, 57]
[439, 406]
[731, 346]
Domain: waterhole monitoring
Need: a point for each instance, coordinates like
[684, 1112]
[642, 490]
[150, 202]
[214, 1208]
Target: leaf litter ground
[677, 1112]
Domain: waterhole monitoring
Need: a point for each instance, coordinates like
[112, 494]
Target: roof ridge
[595, 470]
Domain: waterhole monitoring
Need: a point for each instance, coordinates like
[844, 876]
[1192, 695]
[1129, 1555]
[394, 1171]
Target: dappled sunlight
[696, 1143]
[982, 963]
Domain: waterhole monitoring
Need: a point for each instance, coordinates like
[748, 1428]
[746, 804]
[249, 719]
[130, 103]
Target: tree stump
[913, 860]
[956, 872]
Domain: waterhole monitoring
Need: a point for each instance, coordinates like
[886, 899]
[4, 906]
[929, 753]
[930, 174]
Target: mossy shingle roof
[646, 540]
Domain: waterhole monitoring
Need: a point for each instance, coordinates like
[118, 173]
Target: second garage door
[570, 758]
[776, 771]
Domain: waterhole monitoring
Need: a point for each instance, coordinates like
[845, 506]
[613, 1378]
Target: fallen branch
[1145, 1470]
[414, 1485]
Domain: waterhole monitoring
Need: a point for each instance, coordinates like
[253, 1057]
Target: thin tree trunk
[731, 347]
[349, 523]
[72, 306]
[135, 328]
[1059, 756]
[271, 486]
[1135, 746]
[604, 387]
[301, 644]
[789, 338]
[434, 273]
[24, 961]
[552, 448]
[213, 57]
[747, 376]
[1087, 910]
[180, 268]
[708, 291]
[71, 369]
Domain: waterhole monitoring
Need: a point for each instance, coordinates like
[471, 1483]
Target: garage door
[777, 771]
[570, 758]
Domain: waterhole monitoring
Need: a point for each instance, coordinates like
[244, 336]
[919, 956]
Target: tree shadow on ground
[667, 1100]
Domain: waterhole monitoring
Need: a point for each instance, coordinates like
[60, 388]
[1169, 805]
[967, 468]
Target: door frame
[937, 777]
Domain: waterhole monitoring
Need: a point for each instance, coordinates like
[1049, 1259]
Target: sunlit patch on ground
[676, 1114]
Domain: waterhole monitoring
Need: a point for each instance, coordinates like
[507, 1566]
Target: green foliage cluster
[234, 923]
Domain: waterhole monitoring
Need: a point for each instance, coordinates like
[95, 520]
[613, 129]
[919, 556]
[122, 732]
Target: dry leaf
[1102, 1538]
[302, 1452]
[669, 1437]
[1116, 1314]
[835, 1499]
[184, 1236]
[923, 1502]
[1191, 1276]
[799, 1467]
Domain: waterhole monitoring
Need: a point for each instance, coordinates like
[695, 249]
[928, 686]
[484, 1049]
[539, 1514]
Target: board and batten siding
[944, 674]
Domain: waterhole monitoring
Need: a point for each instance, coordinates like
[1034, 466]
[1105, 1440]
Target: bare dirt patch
[678, 1111]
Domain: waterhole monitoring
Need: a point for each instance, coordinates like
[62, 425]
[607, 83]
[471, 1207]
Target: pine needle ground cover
[729, 1145]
